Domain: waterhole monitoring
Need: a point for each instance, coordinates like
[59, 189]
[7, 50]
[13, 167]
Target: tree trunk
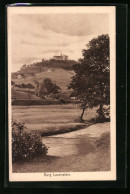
[81, 117]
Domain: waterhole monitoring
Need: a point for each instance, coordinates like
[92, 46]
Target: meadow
[51, 119]
[76, 151]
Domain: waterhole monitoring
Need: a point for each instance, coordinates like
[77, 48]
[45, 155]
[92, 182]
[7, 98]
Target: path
[76, 142]
[71, 152]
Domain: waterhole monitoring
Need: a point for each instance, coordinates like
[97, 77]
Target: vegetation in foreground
[25, 145]
[97, 160]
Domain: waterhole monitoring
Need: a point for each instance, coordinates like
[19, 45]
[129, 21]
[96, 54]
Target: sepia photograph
[61, 93]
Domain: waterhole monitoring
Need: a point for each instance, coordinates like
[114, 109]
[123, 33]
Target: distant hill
[38, 67]
[60, 72]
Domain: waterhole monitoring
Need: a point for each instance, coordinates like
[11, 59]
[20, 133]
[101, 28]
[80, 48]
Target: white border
[75, 176]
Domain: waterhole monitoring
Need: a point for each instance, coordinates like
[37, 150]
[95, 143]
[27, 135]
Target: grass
[59, 76]
[80, 163]
[97, 159]
[61, 129]
[51, 119]
[103, 142]
[23, 95]
[58, 119]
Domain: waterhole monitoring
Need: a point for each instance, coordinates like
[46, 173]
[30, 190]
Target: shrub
[25, 145]
[29, 85]
[62, 101]
[106, 110]
[106, 115]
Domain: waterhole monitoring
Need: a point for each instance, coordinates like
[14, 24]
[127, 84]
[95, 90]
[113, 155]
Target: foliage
[25, 145]
[18, 85]
[51, 63]
[62, 101]
[106, 114]
[42, 65]
[28, 85]
[50, 86]
[46, 87]
[29, 102]
[12, 83]
[91, 82]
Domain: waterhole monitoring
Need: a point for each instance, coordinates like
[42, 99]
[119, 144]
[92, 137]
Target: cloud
[75, 24]
[34, 37]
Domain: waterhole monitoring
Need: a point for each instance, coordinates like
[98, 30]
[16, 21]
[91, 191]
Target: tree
[37, 86]
[91, 82]
[46, 87]
[12, 83]
[29, 85]
[50, 86]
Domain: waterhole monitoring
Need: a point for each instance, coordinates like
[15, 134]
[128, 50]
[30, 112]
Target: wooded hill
[60, 72]
[38, 67]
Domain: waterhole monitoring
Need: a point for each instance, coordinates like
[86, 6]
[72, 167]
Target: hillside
[32, 69]
[23, 95]
[59, 76]
[60, 73]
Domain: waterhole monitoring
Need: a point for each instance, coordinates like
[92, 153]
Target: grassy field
[99, 160]
[23, 95]
[51, 119]
[91, 148]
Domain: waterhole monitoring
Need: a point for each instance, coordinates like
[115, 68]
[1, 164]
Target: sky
[38, 36]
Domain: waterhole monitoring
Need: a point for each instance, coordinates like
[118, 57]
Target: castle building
[61, 57]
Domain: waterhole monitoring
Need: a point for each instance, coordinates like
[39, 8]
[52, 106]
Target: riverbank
[84, 150]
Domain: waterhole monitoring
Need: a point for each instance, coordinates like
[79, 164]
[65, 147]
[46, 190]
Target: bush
[106, 115]
[25, 145]
[106, 110]
[62, 101]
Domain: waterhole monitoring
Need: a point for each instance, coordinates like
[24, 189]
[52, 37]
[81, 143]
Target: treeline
[30, 102]
[67, 65]
[22, 85]
[46, 87]
[38, 67]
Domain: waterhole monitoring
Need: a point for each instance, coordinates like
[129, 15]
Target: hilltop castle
[61, 57]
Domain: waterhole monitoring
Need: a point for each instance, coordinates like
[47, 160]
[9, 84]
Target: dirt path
[76, 142]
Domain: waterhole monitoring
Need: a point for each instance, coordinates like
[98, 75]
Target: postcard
[62, 93]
